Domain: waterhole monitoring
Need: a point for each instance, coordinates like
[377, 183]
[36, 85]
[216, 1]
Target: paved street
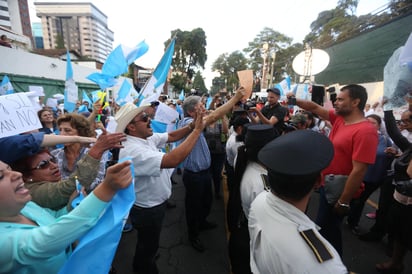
[178, 257]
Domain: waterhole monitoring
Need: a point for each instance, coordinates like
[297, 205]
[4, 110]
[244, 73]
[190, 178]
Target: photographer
[272, 114]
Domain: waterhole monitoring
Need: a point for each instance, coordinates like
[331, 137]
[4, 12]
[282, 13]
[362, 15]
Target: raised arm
[311, 106]
[225, 108]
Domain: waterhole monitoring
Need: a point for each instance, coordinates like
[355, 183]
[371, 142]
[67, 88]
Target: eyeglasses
[145, 118]
[405, 121]
[45, 163]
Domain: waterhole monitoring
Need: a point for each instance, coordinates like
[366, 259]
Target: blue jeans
[330, 223]
[198, 201]
[148, 223]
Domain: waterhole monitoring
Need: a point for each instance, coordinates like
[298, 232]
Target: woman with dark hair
[43, 178]
[47, 121]
[67, 157]
[38, 240]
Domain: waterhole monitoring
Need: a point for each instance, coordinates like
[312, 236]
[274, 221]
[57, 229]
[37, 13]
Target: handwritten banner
[17, 115]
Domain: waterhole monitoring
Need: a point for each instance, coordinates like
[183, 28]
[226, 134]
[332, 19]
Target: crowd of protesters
[265, 150]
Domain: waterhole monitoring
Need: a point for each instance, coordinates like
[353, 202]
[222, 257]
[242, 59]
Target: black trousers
[148, 223]
[239, 249]
[198, 201]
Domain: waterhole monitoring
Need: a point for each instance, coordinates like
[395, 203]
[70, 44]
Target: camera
[291, 100]
[249, 104]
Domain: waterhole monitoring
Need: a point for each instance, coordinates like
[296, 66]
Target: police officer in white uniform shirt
[283, 238]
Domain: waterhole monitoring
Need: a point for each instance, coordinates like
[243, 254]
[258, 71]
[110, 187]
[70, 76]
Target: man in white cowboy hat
[152, 180]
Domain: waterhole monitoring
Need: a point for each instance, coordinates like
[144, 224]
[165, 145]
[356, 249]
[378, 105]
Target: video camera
[249, 104]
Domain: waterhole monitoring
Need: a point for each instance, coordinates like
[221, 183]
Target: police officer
[283, 238]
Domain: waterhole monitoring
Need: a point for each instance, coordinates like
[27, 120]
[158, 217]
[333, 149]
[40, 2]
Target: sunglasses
[45, 163]
[145, 118]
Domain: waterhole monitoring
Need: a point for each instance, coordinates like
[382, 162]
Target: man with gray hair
[196, 176]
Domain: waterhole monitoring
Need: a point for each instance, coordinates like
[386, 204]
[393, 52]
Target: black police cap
[299, 152]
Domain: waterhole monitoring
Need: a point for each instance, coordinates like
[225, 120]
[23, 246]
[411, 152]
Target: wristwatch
[343, 205]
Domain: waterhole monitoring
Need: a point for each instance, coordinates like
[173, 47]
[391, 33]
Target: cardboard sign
[246, 81]
[17, 115]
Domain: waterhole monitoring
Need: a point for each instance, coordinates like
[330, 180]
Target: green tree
[190, 54]
[400, 7]
[276, 42]
[227, 66]
[199, 82]
[178, 81]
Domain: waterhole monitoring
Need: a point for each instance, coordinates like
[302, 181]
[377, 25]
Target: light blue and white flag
[182, 95]
[117, 63]
[5, 86]
[71, 95]
[96, 249]
[284, 86]
[154, 86]
[86, 98]
[123, 93]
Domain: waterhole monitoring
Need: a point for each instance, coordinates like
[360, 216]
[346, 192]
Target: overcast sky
[229, 25]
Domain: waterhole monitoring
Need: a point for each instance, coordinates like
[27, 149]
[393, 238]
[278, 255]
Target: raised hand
[106, 141]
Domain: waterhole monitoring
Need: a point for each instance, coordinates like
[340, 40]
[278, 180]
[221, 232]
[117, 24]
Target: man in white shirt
[283, 238]
[152, 178]
[232, 144]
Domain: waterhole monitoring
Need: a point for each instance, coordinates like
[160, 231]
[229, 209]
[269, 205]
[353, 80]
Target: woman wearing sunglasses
[43, 177]
[38, 240]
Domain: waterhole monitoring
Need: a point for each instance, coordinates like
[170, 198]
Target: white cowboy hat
[126, 114]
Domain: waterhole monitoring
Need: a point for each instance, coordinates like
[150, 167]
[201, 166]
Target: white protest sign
[166, 114]
[38, 90]
[17, 115]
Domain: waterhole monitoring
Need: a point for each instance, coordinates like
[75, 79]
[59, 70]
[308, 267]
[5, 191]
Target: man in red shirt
[355, 141]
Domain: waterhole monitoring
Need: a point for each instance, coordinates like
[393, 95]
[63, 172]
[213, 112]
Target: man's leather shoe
[207, 226]
[197, 244]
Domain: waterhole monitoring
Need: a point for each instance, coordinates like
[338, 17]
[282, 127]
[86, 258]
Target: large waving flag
[284, 86]
[123, 93]
[5, 86]
[71, 95]
[100, 243]
[117, 63]
[86, 98]
[154, 86]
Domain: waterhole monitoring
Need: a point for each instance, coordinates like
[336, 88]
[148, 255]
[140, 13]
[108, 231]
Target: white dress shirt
[276, 245]
[152, 184]
[251, 184]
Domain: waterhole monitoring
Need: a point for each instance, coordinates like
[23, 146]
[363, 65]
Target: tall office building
[75, 26]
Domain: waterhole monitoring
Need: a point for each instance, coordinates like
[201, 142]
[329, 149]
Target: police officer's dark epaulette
[321, 251]
[265, 180]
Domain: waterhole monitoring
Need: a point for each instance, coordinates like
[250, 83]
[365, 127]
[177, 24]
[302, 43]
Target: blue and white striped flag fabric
[154, 86]
[96, 249]
[5, 86]
[284, 86]
[117, 63]
[71, 95]
[123, 92]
